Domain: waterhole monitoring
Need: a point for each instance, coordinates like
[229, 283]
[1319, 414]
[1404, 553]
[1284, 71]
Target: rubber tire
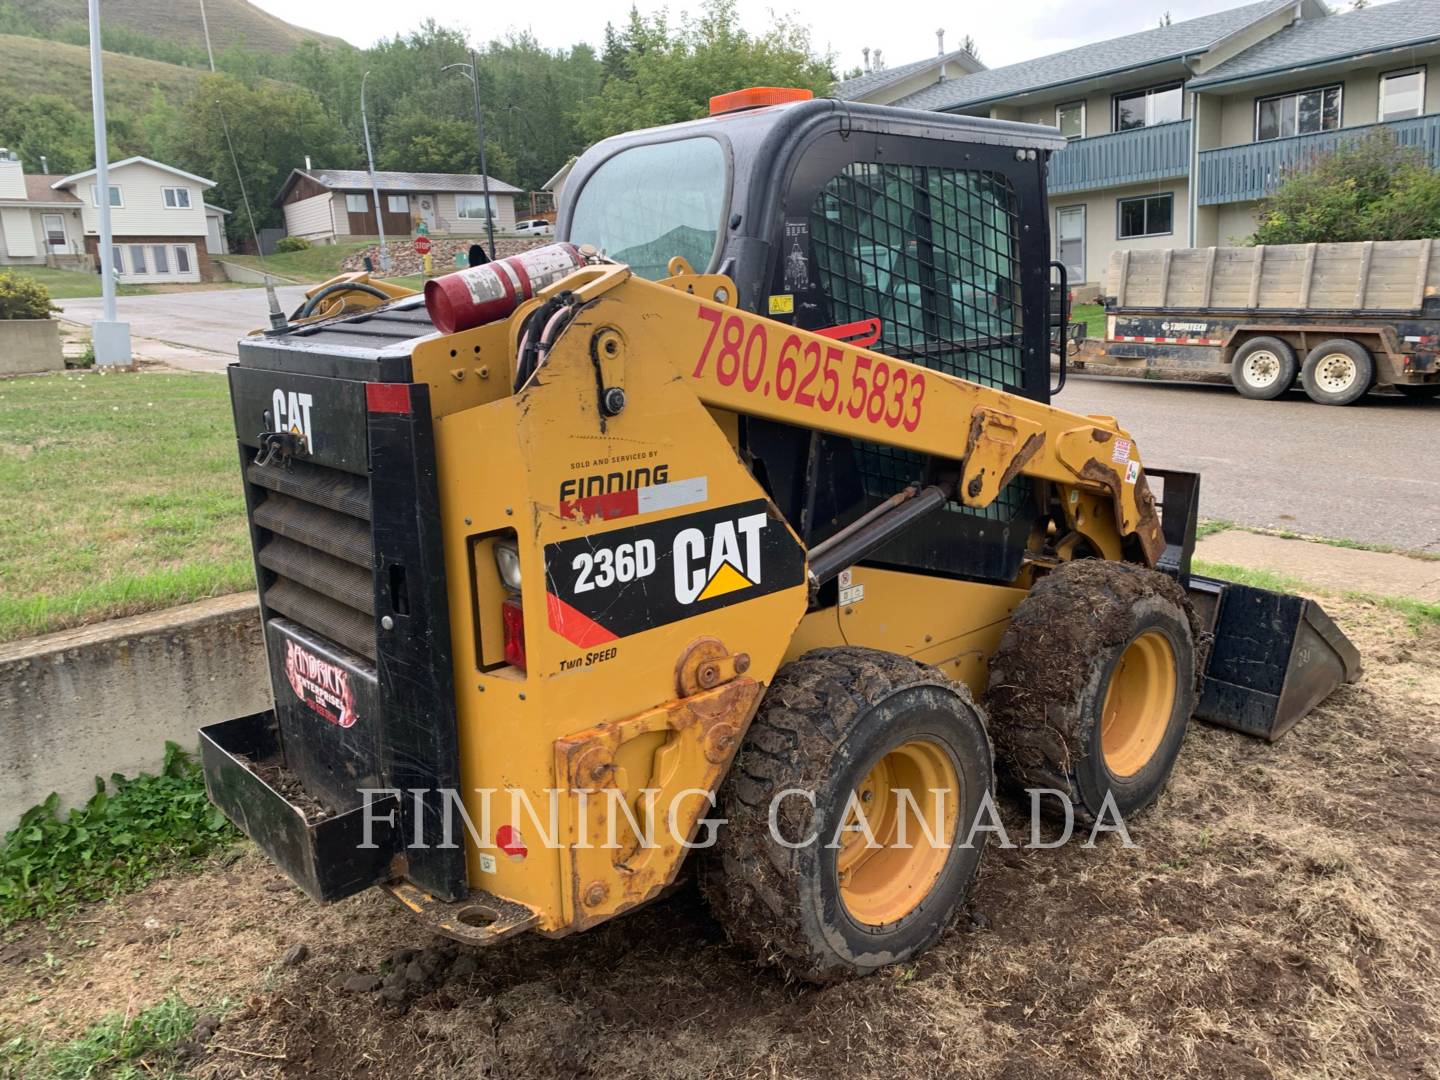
[825, 719]
[1423, 392]
[1050, 673]
[1288, 368]
[1365, 369]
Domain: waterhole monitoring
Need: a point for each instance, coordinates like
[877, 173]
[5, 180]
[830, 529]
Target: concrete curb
[105, 698]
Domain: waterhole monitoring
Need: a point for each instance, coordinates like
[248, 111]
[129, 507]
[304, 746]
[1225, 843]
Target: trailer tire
[1263, 368]
[831, 723]
[1092, 686]
[1337, 372]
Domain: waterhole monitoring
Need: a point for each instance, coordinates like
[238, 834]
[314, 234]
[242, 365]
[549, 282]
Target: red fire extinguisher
[482, 294]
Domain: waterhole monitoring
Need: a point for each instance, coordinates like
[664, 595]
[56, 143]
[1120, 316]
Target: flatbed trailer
[1343, 319]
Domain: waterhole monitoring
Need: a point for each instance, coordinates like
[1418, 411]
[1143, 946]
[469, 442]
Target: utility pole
[205, 24]
[472, 72]
[111, 338]
[374, 188]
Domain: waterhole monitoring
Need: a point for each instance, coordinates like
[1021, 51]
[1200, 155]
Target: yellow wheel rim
[885, 874]
[1138, 703]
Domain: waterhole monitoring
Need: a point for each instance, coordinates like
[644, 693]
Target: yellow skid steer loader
[750, 488]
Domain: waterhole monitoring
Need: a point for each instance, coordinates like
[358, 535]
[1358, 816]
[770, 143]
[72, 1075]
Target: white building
[159, 221]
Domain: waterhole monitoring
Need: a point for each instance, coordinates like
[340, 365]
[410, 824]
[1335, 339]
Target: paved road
[208, 321]
[1368, 472]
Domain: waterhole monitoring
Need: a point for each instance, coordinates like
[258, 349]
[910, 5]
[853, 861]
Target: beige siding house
[321, 205]
[157, 220]
[38, 225]
[1176, 132]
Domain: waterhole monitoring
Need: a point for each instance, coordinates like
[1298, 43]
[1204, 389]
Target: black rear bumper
[329, 855]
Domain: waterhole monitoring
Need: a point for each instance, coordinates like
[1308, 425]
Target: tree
[416, 142]
[1367, 189]
[46, 126]
[655, 74]
[968, 44]
[273, 128]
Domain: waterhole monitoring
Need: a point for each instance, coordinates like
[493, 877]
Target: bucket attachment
[1274, 657]
[323, 852]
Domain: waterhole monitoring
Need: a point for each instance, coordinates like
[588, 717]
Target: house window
[472, 207]
[1302, 113]
[137, 260]
[1148, 107]
[357, 204]
[115, 197]
[1148, 215]
[161, 258]
[177, 198]
[1402, 94]
[398, 204]
[1070, 119]
[182, 259]
[117, 257]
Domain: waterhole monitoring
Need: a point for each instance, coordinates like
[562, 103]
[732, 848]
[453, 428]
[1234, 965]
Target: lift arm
[755, 366]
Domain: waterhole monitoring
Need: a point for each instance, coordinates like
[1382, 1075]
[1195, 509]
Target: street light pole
[471, 71]
[374, 187]
[110, 338]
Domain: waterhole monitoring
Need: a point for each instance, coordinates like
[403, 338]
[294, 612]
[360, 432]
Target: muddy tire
[1092, 686]
[1337, 372]
[846, 725]
[1263, 368]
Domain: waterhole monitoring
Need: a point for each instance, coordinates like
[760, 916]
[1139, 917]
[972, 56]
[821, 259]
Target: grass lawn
[75, 284]
[119, 493]
[71, 284]
[1093, 316]
[316, 263]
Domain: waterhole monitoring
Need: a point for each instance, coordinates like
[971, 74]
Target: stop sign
[422, 245]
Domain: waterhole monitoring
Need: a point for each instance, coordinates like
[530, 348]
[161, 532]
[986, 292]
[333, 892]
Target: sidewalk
[1326, 567]
[149, 350]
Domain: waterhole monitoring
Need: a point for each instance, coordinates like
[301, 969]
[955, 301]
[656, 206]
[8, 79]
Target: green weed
[127, 834]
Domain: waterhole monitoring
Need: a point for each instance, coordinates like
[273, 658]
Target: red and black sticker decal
[321, 684]
[612, 584]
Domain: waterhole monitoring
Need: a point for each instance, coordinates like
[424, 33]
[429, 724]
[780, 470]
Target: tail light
[513, 620]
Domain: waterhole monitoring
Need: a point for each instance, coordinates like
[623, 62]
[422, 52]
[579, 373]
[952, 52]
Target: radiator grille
[315, 543]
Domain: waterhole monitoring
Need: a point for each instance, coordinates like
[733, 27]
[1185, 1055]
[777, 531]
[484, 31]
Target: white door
[1070, 241]
[427, 211]
[55, 242]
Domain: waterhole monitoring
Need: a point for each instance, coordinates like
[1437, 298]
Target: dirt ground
[1280, 917]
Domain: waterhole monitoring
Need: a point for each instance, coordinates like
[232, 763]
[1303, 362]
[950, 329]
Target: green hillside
[232, 22]
[32, 66]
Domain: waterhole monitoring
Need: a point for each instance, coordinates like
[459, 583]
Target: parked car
[535, 227]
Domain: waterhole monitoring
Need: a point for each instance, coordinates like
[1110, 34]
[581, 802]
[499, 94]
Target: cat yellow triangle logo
[725, 580]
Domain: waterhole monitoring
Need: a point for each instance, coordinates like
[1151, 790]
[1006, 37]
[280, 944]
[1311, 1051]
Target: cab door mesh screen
[933, 253]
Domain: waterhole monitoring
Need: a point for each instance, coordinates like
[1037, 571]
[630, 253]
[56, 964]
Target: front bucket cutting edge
[1274, 657]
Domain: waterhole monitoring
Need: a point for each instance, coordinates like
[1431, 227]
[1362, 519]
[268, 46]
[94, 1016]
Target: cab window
[649, 203]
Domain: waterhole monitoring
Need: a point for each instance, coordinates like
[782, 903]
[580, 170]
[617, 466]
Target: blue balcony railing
[1122, 157]
[1251, 171]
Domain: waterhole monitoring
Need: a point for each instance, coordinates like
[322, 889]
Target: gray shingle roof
[850, 89]
[1180, 39]
[1311, 41]
[356, 179]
